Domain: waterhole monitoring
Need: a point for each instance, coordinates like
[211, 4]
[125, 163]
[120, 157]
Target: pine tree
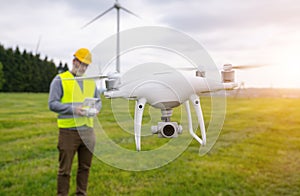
[24, 71]
[2, 80]
[66, 68]
[60, 68]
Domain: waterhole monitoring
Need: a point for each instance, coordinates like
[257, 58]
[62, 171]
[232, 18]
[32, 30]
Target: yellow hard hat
[83, 55]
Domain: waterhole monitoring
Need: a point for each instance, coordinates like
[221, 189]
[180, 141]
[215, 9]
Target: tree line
[26, 72]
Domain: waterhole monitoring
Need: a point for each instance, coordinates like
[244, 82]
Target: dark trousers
[70, 142]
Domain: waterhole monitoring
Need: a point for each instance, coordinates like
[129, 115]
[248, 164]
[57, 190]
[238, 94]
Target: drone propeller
[87, 77]
[225, 66]
[186, 68]
[247, 66]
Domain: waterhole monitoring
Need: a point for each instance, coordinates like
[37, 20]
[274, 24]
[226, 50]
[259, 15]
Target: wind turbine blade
[38, 44]
[96, 18]
[130, 12]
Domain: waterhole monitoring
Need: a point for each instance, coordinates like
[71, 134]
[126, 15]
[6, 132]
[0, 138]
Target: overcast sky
[232, 31]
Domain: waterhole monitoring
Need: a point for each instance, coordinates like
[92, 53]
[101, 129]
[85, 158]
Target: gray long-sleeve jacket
[56, 93]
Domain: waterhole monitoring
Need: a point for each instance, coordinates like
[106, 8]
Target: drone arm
[138, 116]
[196, 103]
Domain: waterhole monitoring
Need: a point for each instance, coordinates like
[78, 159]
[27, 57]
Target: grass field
[257, 153]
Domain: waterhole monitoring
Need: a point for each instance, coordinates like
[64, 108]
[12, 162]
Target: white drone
[162, 87]
[165, 88]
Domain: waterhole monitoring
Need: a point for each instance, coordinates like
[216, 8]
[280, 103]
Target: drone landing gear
[138, 117]
[196, 103]
[166, 128]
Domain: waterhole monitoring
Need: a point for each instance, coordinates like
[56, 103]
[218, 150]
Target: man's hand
[92, 112]
[80, 111]
[83, 112]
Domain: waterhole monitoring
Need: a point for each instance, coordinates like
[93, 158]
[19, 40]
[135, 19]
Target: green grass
[257, 153]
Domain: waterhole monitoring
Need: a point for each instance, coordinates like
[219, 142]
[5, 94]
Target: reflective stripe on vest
[72, 94]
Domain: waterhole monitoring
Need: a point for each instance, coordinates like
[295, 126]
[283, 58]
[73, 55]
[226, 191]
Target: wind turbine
[117, 6]
[38, 45]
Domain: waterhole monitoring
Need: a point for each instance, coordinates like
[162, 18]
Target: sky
[232, 31]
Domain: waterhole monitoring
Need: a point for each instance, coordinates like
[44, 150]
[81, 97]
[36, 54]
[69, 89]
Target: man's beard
[79, 73]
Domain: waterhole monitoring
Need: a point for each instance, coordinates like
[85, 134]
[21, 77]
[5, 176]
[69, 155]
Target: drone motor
[228, 74]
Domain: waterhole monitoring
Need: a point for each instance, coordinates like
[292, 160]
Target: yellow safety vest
[72, 94]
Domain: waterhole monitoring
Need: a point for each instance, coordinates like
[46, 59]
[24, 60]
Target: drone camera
[167, 129]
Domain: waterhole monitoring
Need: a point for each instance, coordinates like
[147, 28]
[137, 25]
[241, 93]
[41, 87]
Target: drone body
[164, 88]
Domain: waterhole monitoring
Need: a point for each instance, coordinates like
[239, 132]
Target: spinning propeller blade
[247, 66]
[186, 68]
[87, 77]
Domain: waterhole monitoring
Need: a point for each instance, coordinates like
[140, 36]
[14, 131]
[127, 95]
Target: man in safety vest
[75, 123]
